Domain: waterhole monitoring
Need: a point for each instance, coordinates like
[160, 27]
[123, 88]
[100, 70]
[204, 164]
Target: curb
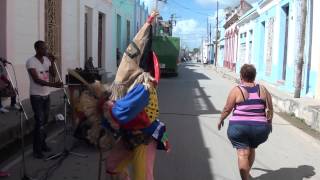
[10, 134]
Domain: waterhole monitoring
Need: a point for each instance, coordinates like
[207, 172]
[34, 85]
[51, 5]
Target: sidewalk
[10, 122]
[304, 108]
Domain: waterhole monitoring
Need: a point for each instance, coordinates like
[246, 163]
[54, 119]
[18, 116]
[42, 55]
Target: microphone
[50, 56]
[4, 61]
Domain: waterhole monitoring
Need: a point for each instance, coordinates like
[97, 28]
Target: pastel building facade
[268, 39]
[74, 30]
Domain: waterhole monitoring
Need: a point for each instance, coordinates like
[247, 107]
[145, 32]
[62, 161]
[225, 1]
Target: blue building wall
[260, 31]
[311, 72]
[289, 83]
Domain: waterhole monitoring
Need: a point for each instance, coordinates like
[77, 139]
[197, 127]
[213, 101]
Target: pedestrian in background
[40, 68]
[6, 89]
[250, 123]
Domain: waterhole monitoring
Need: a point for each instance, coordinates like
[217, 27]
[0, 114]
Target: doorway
[128, 33]
[118, 49]
[262, 44]
[100, 39]
[285, 11]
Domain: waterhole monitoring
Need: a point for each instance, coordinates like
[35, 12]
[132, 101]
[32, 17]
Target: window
[128, 33]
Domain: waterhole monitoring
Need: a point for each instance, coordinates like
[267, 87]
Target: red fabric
[156, 67]
[4, 78]
[150, 19]
[139, 122]
[101, 102]
[112, 117]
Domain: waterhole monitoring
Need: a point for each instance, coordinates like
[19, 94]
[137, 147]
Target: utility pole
[217, 36]
[156, 7]
[209, 46]
[202, 49]
[301, 31]
[156, 22]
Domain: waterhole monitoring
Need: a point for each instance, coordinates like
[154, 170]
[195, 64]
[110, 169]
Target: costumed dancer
[135, 110]
[130, 130]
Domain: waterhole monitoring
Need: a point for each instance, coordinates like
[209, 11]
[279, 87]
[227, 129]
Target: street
[190, 105]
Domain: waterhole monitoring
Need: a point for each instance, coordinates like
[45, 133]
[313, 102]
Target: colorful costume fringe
[133, 116]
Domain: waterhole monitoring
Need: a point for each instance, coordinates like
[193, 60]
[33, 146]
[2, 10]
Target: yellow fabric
[138, 160]
[152, 109]
[122, 167]
[139, 163]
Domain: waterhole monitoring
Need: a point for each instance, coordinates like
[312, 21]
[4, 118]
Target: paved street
[190, 104]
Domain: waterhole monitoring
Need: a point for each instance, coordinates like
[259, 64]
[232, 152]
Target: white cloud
[212, 19]
[185, 26]
[190, 32]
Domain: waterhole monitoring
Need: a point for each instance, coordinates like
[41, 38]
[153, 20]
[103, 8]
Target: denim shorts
[244, 136]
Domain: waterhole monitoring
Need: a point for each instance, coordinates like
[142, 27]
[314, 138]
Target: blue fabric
[127, 108]
[252, 102]
[150, 130]
[105, 124]
[157, 130]
[243, 136]
[254, 89]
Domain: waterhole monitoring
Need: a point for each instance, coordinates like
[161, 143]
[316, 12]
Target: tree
[196, 50]
[301, 31]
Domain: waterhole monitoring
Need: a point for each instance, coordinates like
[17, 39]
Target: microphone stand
[66, 101]
[22, 113]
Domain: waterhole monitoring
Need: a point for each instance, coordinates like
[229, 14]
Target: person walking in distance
[39, 69]
[250, 123]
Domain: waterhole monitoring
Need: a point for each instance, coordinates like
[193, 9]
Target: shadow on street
[298, 173]
[182, 101]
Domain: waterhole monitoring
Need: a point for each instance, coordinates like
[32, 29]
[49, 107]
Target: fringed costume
[129, 129]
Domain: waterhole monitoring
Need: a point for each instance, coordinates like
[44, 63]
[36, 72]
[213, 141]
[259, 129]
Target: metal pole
[22, 113]
[156, 5]
[217, 33]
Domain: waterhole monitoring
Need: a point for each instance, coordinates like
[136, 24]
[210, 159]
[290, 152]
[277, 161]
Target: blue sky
[192, 17]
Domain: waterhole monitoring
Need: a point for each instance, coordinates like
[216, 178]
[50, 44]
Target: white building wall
[70, 35]
[315, 56]
[73, 33]
[24, 26]
[25, 23]
[205, 52]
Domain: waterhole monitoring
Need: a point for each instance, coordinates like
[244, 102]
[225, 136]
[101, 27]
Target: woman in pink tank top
[250, 123]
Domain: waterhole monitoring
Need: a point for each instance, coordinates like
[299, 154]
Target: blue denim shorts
[244, 136]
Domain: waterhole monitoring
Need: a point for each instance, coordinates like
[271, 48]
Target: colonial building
[268, 38]
[232, 33]
[73, 29]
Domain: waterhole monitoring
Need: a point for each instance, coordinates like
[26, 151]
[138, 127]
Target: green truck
[167, 49]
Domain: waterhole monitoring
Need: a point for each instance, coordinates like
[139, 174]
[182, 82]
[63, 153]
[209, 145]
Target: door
[100, 39]
[285, 55]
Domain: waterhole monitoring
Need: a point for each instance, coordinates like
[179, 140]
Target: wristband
[150, 19]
